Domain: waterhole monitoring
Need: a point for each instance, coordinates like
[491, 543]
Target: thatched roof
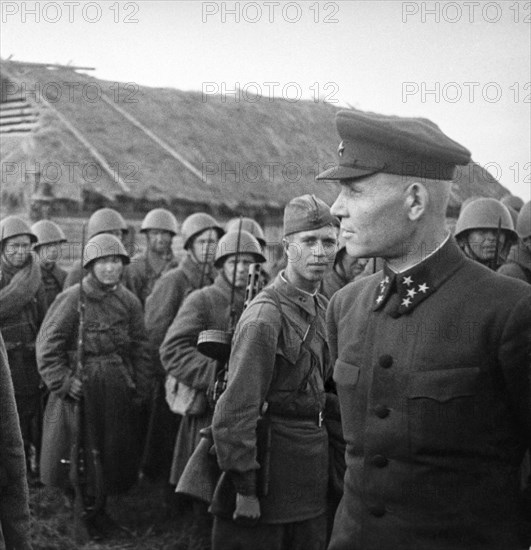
[254, 154]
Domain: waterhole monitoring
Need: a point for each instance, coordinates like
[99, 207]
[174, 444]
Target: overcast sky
[465, 65]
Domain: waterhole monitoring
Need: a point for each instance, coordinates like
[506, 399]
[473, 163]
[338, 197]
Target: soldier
[22, 309]
[14, 505]
[116, 376]
[344, 270]
[514, 205]
[254, 228]
[159, 226]
[215, 307]
[278, 368]
[50, 237]
[431, 355]
[476, 232]
[519, 260]
[104, 220]
[201, 233]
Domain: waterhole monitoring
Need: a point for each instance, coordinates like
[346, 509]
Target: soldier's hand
[76, 389]
[247, 509]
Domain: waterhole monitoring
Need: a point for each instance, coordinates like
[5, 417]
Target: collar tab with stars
[417, 283]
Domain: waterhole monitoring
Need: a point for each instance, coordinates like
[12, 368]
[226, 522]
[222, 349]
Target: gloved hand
[75, 391]
[247, 510]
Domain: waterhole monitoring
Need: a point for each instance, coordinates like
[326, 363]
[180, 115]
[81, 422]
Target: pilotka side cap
[306, 213]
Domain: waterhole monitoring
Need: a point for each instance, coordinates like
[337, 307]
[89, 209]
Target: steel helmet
[228, 245]
[249, 225]
[12, 226]
[512, 201]
[160, 218]
[48, 232]
[103, 245]
[197, 223]
[485, 213]
[104, 220]
[523, 225]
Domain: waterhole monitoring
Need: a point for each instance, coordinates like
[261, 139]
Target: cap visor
[346, 173]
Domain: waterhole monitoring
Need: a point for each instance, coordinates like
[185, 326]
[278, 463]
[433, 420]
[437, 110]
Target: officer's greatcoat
[116, 378]
[269, 363]
[205, 309]
[434, 388]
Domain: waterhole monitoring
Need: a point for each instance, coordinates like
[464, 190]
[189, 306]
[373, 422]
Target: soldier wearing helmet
[280, 358]
[104, 220]
[22, 309]
[116, 376]
[519, 260]
[200, 233]
[48, 249]
[485, 232]
[159, 226]
[215, 307]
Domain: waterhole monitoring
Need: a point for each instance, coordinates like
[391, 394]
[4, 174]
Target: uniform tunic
[116, 378]
[518, 263]
[433, 383]
[205, 309]
[53, 279]
[144, 271]
[269, 364]
[14, 509]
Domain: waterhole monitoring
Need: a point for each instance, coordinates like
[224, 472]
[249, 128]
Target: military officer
[48, 248]
[519, 260]
[22, 309]
[159, 227]
[278, 368]
[476, 232]
[104, 220]
[431, 355]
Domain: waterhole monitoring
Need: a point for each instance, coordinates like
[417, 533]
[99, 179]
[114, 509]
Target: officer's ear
[417, 199]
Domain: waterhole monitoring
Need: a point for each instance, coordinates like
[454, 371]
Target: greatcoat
[144, 271]
[116, 377]
[518, 263]
[14, 509]
[432, 369]
[204, 309]
[53, 278]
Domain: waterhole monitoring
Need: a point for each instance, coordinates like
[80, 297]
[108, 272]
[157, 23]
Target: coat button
[380, 461]
[385, 361]
[381, 411]
[377, 510]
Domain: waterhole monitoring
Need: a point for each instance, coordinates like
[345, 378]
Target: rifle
[78, 465]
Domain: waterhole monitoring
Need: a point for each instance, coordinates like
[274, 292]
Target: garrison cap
[373, 143]
[306, 213]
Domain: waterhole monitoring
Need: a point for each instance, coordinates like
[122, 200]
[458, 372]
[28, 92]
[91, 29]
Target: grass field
[141, 513]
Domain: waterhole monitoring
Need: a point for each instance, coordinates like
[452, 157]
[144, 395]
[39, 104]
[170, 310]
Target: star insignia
[406, 302]
[411, 292]
[408, 280]
[379, 299]
[423, 287]
[340, 149]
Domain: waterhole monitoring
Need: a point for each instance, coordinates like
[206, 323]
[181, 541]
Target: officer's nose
[338, 208]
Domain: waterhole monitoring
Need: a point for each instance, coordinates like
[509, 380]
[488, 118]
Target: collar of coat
[417, 283]
[302, 299]
[193, 272]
